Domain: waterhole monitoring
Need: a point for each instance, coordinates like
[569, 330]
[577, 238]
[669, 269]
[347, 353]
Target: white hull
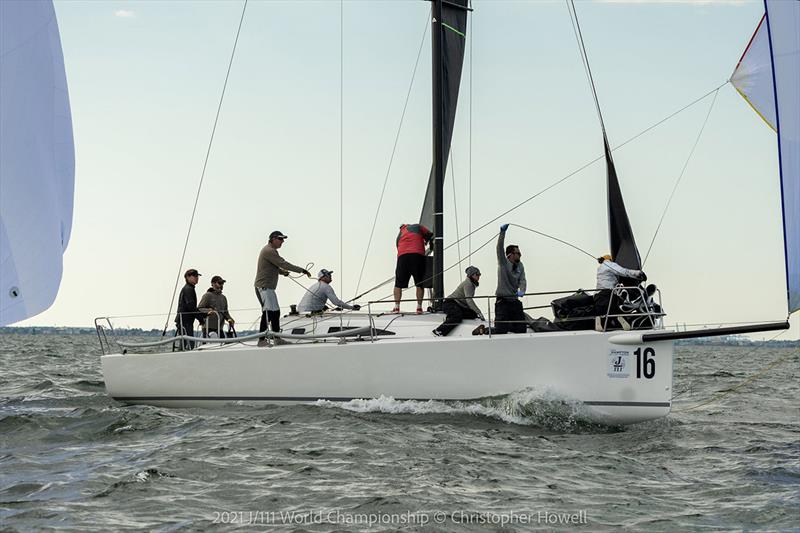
[419, 366]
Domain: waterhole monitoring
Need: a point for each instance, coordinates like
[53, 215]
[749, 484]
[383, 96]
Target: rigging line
[752, 378]
[455, 205]
[469, 218]
[341, 144]
[571, 174]
[595, 160]
[394, 150]
[205, 165]
[578, 42]
[556, 239]
[680, 177]
[577, 25]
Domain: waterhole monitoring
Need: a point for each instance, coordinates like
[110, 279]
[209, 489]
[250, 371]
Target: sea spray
[526, 407]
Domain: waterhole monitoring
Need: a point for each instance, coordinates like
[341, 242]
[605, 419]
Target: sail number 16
[645, 363]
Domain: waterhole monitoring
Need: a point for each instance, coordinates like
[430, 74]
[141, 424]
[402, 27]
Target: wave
[143, 476]
[527, 407]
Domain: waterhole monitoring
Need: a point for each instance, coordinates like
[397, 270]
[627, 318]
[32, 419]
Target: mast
[439, 157]
[448, 36]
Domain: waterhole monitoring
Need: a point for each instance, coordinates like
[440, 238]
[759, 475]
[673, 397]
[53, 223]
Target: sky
[307, 132]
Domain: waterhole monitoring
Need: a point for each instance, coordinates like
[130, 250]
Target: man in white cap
[317, 295]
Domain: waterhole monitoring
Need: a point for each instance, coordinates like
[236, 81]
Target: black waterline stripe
[345, 399]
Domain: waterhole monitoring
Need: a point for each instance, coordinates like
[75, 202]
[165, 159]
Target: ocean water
[71, 458]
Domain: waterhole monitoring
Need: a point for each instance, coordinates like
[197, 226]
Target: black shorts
[409, 265]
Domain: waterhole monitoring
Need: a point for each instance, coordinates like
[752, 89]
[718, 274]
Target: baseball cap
[277, 235]
[191, 272]
[324, 272]
[217, 279]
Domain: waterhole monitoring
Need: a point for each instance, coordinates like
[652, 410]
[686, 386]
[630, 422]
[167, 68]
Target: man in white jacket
[609, 272]
[317, 295]
[608, 277]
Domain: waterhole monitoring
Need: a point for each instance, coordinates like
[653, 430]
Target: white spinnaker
[37, 159]
[780, 32]
[752, 76]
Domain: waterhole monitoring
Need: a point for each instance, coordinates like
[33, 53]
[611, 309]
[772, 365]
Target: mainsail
[37, 159]
[768, 76]
[454, 24]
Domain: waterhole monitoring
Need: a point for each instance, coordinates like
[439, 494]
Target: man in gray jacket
[511, 285]
[270, 264]
[317, 295]
[460, 305]
[215, 305]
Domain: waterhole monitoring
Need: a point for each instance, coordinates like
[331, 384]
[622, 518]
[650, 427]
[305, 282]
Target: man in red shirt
[411, 243]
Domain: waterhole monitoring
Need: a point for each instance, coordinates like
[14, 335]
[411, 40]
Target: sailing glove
[356, 307]
[520, 293]
[504, 227]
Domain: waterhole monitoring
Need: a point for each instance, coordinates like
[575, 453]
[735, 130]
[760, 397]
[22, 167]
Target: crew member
[215, 305]
[411, 241]
[606, 302]
[270, 264]
[511, 286]
[318, 294]
[187, 308]
[460, 305]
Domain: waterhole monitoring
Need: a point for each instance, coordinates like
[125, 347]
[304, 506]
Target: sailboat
[37, 159]
[618, 376]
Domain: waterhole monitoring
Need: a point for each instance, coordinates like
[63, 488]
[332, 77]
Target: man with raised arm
[270, 264]
[511, 285]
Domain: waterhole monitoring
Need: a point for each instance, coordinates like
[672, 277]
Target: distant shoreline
[731, 340]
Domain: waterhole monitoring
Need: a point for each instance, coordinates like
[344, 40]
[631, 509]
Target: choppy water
[72, 458]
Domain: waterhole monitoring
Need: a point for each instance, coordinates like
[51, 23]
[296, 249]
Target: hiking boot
[480, 330]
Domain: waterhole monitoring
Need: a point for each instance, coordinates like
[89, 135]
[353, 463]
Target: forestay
[768, 76]
[38, 162]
